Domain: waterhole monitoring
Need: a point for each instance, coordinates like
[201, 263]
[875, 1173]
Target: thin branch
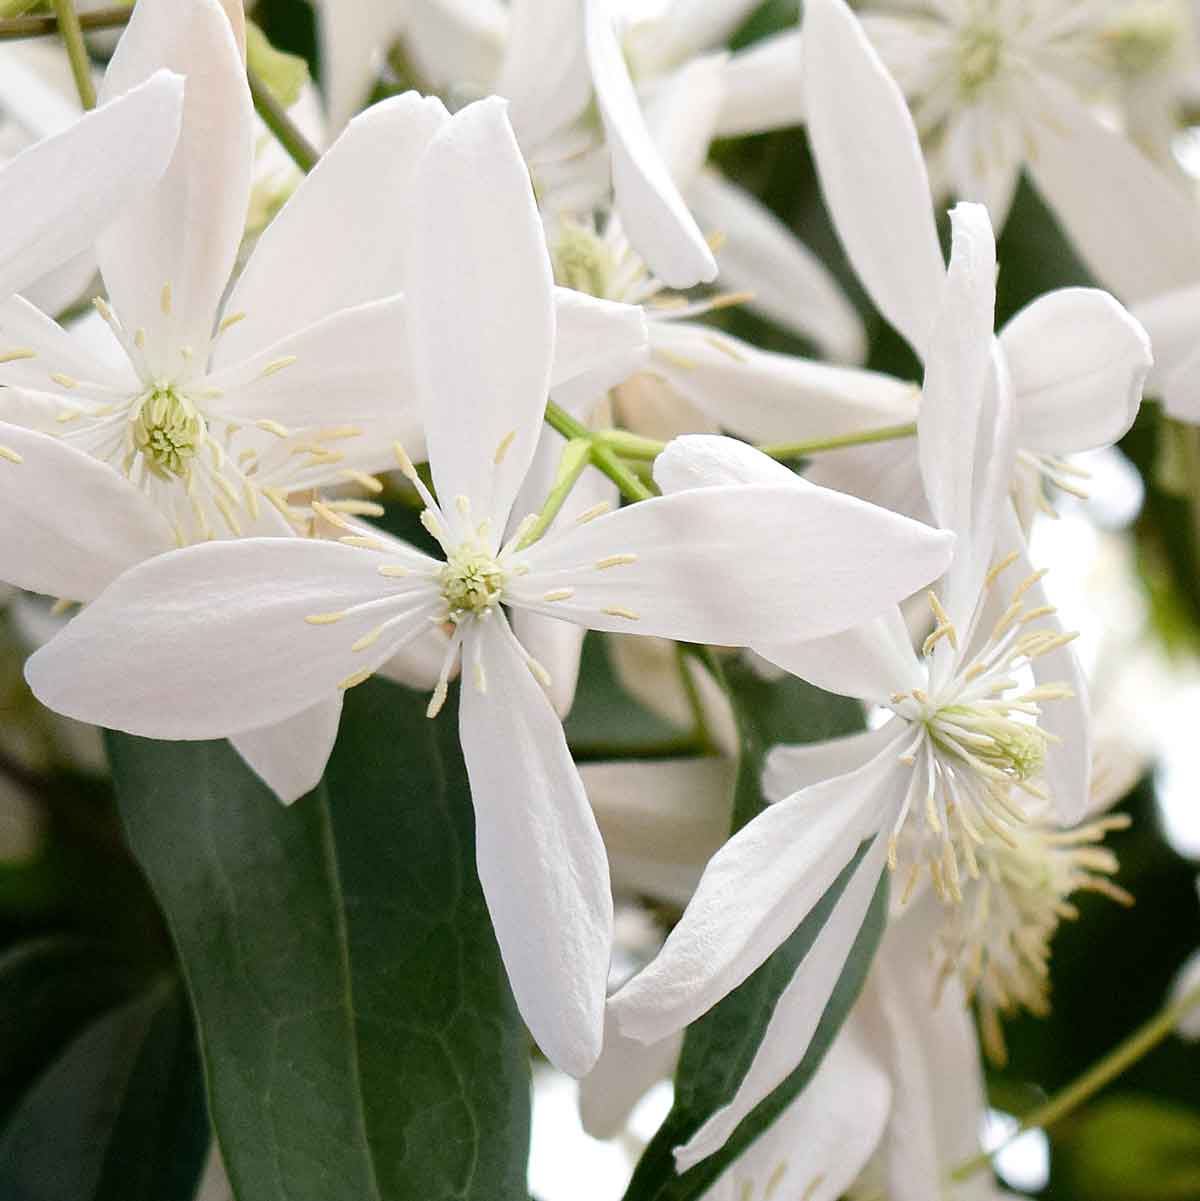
[37, 27]
[77, 52]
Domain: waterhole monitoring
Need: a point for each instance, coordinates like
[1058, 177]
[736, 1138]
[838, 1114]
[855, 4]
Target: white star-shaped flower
[967, 737]
[237, 635]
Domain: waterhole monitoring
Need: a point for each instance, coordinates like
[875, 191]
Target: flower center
[998, 940]
[472, 582]
[980, 50]
[168, 432]
[582, 261]
[1143, 38]
[991, 734]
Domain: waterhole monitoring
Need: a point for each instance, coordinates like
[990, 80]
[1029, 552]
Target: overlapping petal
[290, 757]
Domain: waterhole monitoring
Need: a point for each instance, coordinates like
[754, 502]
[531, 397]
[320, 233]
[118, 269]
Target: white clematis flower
[941, 777]
[217, 419]
[1076, 359]
[279, 625]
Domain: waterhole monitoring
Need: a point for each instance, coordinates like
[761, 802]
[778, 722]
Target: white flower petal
[754, 893]
[70, 524]
[222, 642]
[871, 169]
[1188, 981]
[1136, 229]
[797, 1012]
[793, 766]
[681, 115]
[60, 193]
[837, 1120]
[481, 311]
[599, 339]
[338, 242]
[166, 261]
[351, 368]
[538, 851]
[1172, 321]
[624, 1073]
[771, 397]
[713, 461]
[657, 221]
[762, 87]
[707, 565]
[1077, 361]
[453, 43]
[544, 74]
[662, 820]
[684, 28]
[985, 147]
[290, 757]
[787, 282]
[870, 661]
[1181, 391]
[885, 473]
[352, 40]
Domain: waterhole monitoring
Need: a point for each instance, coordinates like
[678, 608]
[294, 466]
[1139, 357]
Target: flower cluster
[494, 297]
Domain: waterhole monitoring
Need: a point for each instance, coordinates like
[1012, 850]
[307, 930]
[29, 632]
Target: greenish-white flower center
[167, 432]
[472, 582]
[582, 260]
[980, 51]
[992, 735]
[1143, 38]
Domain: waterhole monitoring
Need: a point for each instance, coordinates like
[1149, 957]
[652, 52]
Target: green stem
[685, 651]
[576, 456]
[33, 27]
[601, 456]
[800, 450]
[275, 118]
[1122, 1057]
[633, 446]
[81, 64]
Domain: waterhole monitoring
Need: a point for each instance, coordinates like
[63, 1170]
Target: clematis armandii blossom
[940, 778]
[237, 635]
[211, 418]
[1077, 360]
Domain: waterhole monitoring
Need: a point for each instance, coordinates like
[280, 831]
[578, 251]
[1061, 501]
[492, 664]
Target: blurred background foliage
[93, 1029]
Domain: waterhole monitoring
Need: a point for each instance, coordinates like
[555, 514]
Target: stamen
[627, 614]
[13, 356]
[559, 594]
[277, 365]
[505, 443]
[614, 561]
[325, 619]
[164, 300]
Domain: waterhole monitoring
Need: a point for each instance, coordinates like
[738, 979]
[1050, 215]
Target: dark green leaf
[360, 1039]
[120, 1116]
[50, 988]
[719, 1048]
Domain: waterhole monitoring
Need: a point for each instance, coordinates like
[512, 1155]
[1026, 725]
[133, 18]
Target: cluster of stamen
[472, 582]
[1143, 37]
[167, 431]
[979, 55]
[998, 940]
[976, 744]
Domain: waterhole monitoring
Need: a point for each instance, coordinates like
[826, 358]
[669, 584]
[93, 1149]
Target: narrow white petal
[652, 211]
[599, 339]
[793, 766]
[1136, 229]
[290, 757]
[223, 645]
[167, 259]
[1077, 361]
[705, 565]
[884, 473]
[481, 311]
[451, 41]
[624, 1073]
[762, 87]
[539, 854]
[353, 40]
[985, 147]
[1181, 390]
[822, 1141]
[1172, 322]
[338, 242]
[870, 661]
[871, 169]
[69, 525]
[712, 461]
[787, 282]
[797, 1012]
[754, 893]
[681, 115]
[544, 74]
[1187, 982]
[684, 28]
[350, 368]
[61, 192]
[662, 821]
[770, 397]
